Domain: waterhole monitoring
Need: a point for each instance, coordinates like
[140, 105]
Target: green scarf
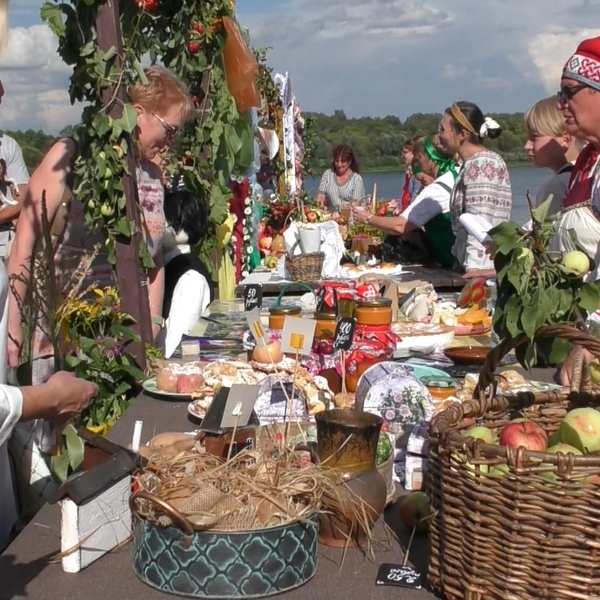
[444, 164]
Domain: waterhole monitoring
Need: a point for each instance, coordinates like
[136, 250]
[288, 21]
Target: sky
[365, 57]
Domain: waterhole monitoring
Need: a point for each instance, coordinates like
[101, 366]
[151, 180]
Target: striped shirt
[335, 193]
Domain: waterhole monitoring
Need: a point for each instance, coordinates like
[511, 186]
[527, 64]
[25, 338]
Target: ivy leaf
[540, 214]
[128, 119]
[589, 297]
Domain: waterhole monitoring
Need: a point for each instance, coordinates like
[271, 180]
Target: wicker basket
[305, 267]
[517, 536]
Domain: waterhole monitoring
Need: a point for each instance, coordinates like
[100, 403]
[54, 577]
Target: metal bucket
[222, 564]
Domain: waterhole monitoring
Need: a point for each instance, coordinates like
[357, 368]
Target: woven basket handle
[580, 379]
[289, 285]
[171, 512]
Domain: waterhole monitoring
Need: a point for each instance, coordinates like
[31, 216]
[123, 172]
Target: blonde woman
[162, 106]
[550, 146]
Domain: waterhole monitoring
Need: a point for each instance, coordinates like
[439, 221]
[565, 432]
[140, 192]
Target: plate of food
[197, 410]
[150, 386]
[385, 268]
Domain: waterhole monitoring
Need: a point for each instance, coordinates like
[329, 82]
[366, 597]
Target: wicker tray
[519, 536]
[305, 267]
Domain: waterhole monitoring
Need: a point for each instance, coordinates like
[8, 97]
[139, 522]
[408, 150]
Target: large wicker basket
[305, 267]
[531, 533]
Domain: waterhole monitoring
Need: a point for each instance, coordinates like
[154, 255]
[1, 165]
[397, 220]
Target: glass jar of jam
[277, 314]
[440, 387]
[377, 311]
[326, 324]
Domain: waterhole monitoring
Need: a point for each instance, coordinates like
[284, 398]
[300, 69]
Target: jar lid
[438, 381]
[325, 316]
[374, 302]
[285, 309]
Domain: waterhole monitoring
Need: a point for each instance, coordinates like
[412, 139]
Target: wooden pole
[131, 279]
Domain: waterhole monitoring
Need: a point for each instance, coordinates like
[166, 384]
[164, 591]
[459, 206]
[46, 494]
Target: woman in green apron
[429, 212]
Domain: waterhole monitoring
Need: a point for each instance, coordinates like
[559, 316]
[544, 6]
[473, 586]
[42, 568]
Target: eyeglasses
[568, 93]
[170, 131]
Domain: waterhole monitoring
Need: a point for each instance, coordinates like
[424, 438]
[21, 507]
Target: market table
[444, 280]
[29, 568]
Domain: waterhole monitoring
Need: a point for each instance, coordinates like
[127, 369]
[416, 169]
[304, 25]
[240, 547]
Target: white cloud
[549, 52]
[36, 82]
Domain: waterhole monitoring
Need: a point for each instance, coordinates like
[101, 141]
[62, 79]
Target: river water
[389, 186]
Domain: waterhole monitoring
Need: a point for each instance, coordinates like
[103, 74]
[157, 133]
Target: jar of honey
[326, 324]
[278, 313]
[377, 311]
[440, 387]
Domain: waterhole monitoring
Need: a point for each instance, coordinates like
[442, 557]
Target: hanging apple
[577, 262]
[148, 5]
[194, 47]
[198, 28]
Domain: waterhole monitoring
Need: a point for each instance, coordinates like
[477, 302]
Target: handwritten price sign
[344, 333]
[403, 576]
[252, 296]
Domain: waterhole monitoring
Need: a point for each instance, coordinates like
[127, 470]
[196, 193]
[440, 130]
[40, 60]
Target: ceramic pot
[347, 445]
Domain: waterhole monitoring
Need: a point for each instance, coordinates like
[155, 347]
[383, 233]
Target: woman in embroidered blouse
[341, 183]
[430, 210]
[482, 187]
[162, 106]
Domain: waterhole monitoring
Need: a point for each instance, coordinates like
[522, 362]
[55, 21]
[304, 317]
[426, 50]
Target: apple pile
[180, 380]
[578, 434]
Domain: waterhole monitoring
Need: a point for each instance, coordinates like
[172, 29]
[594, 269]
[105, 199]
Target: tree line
[378, 142]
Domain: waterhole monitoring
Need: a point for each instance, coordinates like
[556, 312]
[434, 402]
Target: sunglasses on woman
[170, 131]
[568, 92]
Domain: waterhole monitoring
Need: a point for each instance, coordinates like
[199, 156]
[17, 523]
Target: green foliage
[535, 288]
[187, 37]
[378, 141]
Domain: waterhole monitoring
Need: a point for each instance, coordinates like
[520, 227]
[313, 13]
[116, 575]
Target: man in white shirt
[11, 153]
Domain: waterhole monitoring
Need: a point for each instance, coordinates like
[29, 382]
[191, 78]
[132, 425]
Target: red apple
[194, 47]
[188, 383]
[525, 433]
[414, 508]
[166, 380]
[265, 242]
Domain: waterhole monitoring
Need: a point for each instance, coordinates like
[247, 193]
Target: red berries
[198, 28]
[149, 5]
[194, 47]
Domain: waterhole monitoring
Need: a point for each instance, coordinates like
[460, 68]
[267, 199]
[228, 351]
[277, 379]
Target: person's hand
[14, 347]
[565, 371]
[472, 273]
[68, 397]
[360, 214]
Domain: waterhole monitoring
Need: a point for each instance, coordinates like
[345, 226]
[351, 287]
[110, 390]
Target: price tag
[344, 333]
[256, 328]
[390, 574]
[253, 296]
[297, 335]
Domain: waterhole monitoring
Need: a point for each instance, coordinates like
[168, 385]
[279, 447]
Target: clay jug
[347, 445]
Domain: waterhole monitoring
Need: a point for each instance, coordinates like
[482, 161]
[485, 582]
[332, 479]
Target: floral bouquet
[99, 332]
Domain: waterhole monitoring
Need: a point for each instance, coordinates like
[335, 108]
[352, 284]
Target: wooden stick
[374, 197]
[238, 411]
[290, 407]
[410, 541]
[343, 362]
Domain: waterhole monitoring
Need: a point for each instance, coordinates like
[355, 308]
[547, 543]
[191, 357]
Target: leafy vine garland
[187, 36]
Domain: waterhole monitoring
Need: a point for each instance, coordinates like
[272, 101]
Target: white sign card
[298, 335]
[239, 406]
[256, 327]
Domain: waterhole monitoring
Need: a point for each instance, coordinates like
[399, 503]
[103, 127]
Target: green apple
[577, 262]
[581, 428]
[479, 432]
[414, 509]
[565, 449]
[498, 470]
[461, 459]
[554, 439]
[594, 368]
